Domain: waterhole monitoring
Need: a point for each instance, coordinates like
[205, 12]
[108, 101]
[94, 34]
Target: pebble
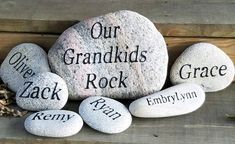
[203, 64]
[22, 62]
[118, 55]
[44, 91]
[177, 100]
[105, 115]
[53, 123]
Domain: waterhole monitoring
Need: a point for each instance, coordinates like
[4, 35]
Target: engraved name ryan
[99, 105]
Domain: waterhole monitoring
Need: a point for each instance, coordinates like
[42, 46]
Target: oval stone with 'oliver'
[203, 64]
[22, 62]
[119, 55]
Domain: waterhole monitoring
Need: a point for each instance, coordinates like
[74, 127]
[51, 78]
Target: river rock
[203, 64]
[53, 123]
[105, 114]
[22, 62]
[118, 55]
[43, 91]
[177, 100]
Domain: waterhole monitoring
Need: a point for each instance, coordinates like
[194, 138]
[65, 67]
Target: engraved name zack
[37, 92]
[58, 117]
[99, 105]
[18, 61]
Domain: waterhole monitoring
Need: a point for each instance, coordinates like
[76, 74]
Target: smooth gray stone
[177, 100]
[203, 64]
[105, 115]
[54, 123]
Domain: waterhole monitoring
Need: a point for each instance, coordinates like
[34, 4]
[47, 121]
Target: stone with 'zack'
[177, 100]
[43, 91]
[203, 64]
[105, 114]
[22, 62]
[118, 55]
[53, 123]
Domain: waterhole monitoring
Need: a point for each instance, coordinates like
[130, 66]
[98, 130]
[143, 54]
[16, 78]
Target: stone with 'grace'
[203, 64]
[105, 114]
[177, 100]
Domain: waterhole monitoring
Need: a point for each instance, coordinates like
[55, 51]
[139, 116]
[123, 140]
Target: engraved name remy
[113, 54]
[52, 117]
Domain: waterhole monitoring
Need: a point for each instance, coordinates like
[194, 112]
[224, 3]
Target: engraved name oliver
[19, 63]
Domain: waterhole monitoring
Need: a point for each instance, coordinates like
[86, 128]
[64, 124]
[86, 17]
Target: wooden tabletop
[208, 18]
[207, 125]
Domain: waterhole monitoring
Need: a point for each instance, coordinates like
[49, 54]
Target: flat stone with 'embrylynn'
[177, 100]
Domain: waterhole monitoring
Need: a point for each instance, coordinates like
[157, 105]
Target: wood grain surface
[197, 18]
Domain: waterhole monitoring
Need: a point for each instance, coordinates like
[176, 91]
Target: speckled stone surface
[177, 100]
[53, 123]
[44, 91]
[118, 55]
[105, 115]
[203, 64]
[22, 62]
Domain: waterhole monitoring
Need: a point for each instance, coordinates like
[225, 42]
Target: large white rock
[53, 123]
[105, 114]
[22, 62]
[44, 91]
[119, 55]
[203, 64]
[177, 100]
